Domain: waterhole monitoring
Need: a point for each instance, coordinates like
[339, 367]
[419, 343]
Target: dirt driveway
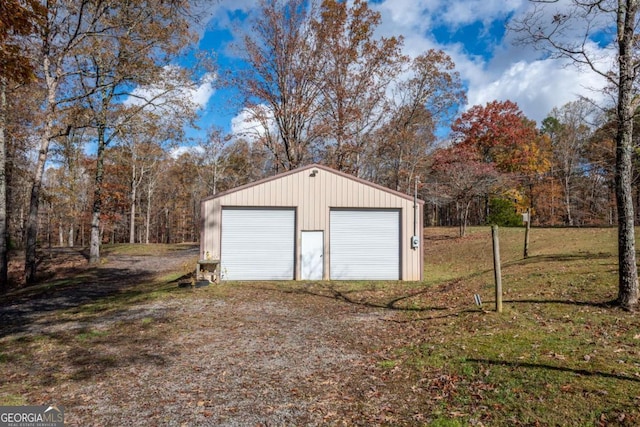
[224, 355]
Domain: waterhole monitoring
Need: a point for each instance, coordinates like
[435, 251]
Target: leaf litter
[228, 355]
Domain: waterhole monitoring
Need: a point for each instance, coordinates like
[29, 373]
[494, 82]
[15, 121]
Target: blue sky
[472, 32]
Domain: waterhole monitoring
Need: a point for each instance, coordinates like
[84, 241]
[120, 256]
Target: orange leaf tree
[502, 135]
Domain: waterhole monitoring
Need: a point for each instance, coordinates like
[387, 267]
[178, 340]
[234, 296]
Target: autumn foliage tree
[88, 54]
[357, 70]
[279, 86]
[18, 19]
[459, 175]
[139, 39]
[419, 105]
[65, 27]
[315, 86]
[502, 135]
[569, 132]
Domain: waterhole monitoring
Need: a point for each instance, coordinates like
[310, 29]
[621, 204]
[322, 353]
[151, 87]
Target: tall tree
[91, 52]
[315, 85]
[566, 30]
[279, 86]
[357, 71]
[143, 141]
[154, 172]
[502, 135]
[418, 106]
[601, 157]
[4, 226]
[210, 161]
[65, 28]
[71, 188]
[459, 176]
[17, 19]
[549, 210]
[570, 132]
[140, 37]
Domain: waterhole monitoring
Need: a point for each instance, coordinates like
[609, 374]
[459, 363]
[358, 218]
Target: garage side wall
[313, 195]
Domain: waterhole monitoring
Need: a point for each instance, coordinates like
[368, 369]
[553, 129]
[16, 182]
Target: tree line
[317, 85]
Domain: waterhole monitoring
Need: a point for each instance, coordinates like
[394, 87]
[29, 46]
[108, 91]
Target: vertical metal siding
[314, 197]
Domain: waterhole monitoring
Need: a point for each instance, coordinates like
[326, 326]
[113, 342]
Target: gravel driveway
[224, 355]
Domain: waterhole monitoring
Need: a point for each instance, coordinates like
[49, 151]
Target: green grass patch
[557, 355]
[45, 287]
[388, 364]
[91, 335]
[152, 249]
[10, 399]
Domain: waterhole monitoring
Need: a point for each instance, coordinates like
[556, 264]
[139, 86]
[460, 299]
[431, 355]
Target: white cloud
[538, 86]
[170, 94]
[506, 71]
[179, 151]
[201, 94]
[517, 73]
[424, 15]
[246, 125]
[466, 12]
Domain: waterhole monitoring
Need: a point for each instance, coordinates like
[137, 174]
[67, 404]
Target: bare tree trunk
[49, 226]
[148, 214]
[464, 218]
[134, 194]
[60, 234]
[462, 229]
[167, 225]
[96, 236]
[628, 271]
[147, 218]
[31, 233]
[4, 229]
[567, 201]
[132, 220]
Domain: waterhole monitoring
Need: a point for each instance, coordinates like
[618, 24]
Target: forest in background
[319, 87]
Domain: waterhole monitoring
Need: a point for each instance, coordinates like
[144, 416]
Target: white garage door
[365, 244]
[257, 244]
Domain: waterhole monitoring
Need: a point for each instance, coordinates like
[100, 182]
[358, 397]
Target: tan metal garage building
[313, 223]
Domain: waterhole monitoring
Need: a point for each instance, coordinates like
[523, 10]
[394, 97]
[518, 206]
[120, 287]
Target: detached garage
[313, 223]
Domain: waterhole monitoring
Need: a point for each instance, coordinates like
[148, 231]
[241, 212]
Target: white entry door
[312, 260]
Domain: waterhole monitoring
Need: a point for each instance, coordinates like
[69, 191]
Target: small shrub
[502, 212]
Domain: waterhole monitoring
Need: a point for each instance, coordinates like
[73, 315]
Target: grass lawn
[556, 355]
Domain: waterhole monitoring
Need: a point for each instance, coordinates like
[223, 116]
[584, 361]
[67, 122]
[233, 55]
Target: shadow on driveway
[121, 277]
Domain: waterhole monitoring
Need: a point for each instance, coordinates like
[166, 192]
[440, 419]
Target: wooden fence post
[497, 268]
[526, 234]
